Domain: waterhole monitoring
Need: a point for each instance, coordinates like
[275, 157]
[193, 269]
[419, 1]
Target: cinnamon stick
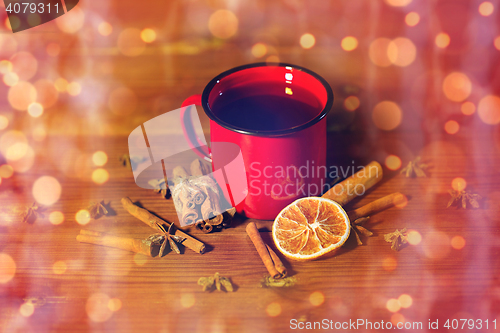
[277, 262]
[151, 220]
[378, 205]
[272, 262]
[143, 246]
[351, 187]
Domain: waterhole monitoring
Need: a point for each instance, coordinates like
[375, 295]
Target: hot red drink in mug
[276, 115]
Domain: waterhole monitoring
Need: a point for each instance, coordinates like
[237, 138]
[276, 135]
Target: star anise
[159, 186]
[269, 282]
[415, 167]
[170, 238]
[31, 213]
[131, 162]
[397, 238]
[219, 281]
[357, 227]
[97, 209]
[125, 161]
[463, 197]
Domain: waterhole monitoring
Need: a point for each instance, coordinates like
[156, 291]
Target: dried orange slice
[310, 227]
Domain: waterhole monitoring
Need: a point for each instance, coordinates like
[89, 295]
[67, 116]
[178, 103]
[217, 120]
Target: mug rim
[316, 119]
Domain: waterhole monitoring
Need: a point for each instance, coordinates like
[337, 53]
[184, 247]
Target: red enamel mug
[276, 115]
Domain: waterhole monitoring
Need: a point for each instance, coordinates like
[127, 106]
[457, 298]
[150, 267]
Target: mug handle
[200, 147]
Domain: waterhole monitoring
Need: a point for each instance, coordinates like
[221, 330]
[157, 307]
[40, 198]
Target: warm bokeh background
[409, 77]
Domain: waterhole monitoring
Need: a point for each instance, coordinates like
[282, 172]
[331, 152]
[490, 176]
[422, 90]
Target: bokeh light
[398, 3]
[272, 59]
[414, 237]
[35, 110]
[99, 158]
[273, 309]
[401, 51]
[8, 45]
[56, 217]
[46, 190]
[405, 301]
[187, 300]
[122, 101]
[97, 307]
[114, 304]
[396, 319]
[148, 35]
[72, 21]
[317, 298]
[496, 42]
[39, 133]
[4, 122]
[26, 309]
[61, 84]
[351, 103]
[451, 127]
[17, 151]
[10, 138]
[486, 8]
[6, 171]
[5, 67]
[59, 267]
[53, 49]
[46, 93]
[457, 86]
[442, 40]
[349, 43]
[393, 305]
[259, 50]
[307, 41]
[389, 264]
[130, 42]
[378, 52]
[74, 88]
[459, 184]
[488, 109]
[457, 242]
[10, 79]
[387, 115]
[34, 19]
[223, 24]
[7, 268]
[436, 245]
[140, 259]
[12, 22]
[24, 64]
[468, 108]
[105, 29]
[82, 217]
[100, 176]
[412, 19]
[21, 95]
[393, 162]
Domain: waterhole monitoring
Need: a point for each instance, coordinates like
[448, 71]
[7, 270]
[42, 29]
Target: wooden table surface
[61, 285]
